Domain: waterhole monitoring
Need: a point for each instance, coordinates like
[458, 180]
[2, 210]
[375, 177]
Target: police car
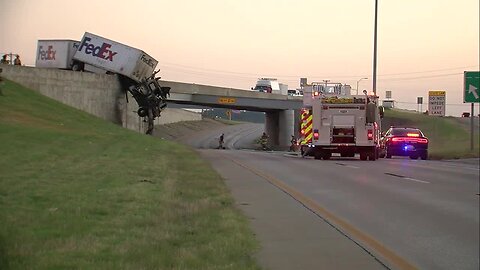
[404, 141]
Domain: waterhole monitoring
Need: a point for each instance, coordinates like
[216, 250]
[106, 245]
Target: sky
[422, 44]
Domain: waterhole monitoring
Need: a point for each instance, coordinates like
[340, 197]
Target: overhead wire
[334, 76]
[206, 72]
[421, 77]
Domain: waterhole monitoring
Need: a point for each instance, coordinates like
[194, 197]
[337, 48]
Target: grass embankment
[229, 122]
[447, 138]
[77, 192]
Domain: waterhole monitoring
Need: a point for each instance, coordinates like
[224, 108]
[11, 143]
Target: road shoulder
[291, 236]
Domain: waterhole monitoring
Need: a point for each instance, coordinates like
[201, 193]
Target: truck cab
[267, 85]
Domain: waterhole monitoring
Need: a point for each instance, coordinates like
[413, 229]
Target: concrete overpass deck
[222, 97]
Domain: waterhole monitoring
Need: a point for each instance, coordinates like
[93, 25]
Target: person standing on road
[220, 142]
[17, 61]
[264, 140]
[293, 144]
[4, 60]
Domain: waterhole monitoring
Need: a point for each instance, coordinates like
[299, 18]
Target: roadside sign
[436, 103]
[388, 94]
[471, 87]
[419, 103]
[227, 100]
[303, 82]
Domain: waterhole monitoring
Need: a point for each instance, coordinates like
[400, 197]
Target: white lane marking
[416, 180]
[406, 178]
[346, 165]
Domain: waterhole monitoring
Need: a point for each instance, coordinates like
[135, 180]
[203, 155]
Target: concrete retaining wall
[97, 94]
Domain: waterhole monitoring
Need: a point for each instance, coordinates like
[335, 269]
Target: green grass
[77, 192]
[447, 138]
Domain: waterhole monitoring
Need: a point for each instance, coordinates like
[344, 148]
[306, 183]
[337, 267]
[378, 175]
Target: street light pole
[325, 81]
[375, 52]
[359, 81]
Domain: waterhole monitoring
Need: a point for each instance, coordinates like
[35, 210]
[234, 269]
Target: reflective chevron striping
[306, 127]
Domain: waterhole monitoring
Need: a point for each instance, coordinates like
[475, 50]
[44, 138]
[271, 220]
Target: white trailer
[268, 85]
[346, 124]
[115, 57]
[56, 53]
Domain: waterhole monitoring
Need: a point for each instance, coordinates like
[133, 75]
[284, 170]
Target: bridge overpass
[281, 111]
[238, 99]
[103, 96]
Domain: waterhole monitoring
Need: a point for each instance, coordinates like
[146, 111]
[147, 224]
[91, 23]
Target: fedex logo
[148, 61]
[102, 51]
[48, 54]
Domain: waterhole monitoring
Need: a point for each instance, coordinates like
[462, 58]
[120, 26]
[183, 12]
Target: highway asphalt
[351, 214]
[291, 235]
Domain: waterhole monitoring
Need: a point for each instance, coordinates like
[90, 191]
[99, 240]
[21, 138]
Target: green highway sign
[471, 87]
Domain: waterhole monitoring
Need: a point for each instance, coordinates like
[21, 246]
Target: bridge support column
[296, 123]
[279, 127]
[286, 128]
[271, 127]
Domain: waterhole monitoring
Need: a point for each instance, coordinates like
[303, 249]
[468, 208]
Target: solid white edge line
[416, 180]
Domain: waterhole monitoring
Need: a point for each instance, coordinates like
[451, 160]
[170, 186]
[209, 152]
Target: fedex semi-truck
[114, 57]
[136, 69]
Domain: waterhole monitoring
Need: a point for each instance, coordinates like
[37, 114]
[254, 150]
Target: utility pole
[375, 52]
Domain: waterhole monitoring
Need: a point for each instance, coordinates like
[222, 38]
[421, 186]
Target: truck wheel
[363, 156]
[318, 155]
[372, 156]
[327, 155]
[77, 67]
[142, 112]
